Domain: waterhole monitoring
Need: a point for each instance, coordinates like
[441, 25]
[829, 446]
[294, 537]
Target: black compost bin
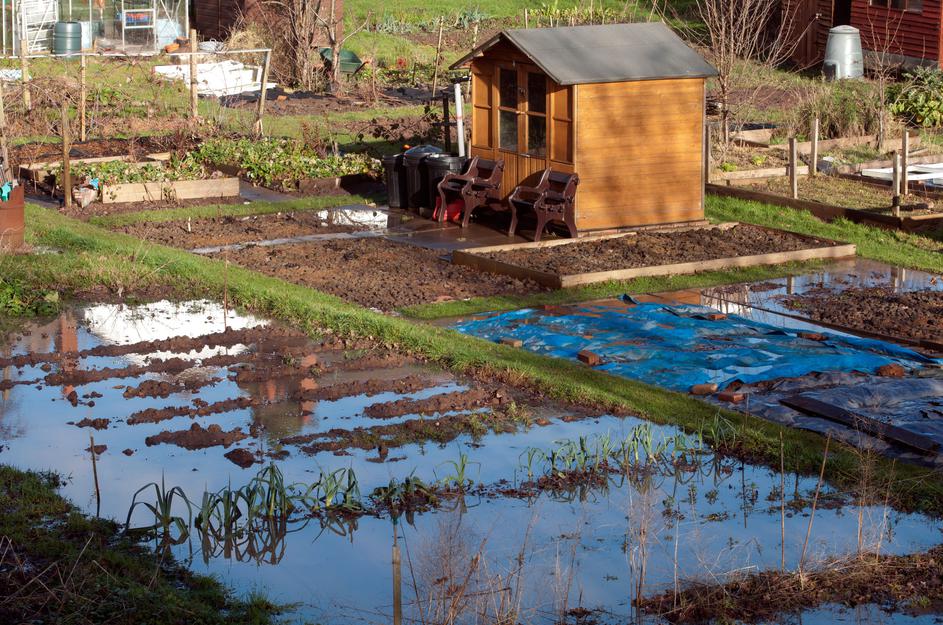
[417, 182]
[394, 170]
[437, 166]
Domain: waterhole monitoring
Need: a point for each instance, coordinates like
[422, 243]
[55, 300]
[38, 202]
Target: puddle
[585, 546]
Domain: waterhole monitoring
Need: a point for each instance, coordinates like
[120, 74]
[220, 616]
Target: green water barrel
[67, 38]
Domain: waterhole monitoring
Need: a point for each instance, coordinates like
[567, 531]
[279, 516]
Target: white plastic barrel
[843, 56]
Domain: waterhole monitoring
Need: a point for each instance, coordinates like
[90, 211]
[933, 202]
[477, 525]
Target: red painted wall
[906, 33]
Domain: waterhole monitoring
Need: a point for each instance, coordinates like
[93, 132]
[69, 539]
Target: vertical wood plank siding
[915, 35]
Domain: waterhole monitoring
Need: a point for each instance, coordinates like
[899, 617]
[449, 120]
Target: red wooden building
[908, 32]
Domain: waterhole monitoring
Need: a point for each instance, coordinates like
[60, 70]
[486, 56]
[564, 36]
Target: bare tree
[732, 33]
[332, 24]
[883, 63]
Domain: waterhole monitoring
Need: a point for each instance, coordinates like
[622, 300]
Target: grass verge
[312, 311]
[163, 215]
[60, 566]
[889, 246]
[656, 284]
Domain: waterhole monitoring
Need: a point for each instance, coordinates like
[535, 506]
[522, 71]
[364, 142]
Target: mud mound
[197, 437]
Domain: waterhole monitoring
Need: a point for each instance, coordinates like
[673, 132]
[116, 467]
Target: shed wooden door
[522, 99]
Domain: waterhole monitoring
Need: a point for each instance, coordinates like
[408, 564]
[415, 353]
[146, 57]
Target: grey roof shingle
[575, 55]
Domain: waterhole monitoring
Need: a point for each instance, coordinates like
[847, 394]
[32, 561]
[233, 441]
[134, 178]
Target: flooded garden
[349, 481]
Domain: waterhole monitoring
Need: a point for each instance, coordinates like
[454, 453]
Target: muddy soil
[200, 409]
[98, 209]
[198, 437]
[280, 102]
[916, 315]
[333, 392]
[137, 147]
[647, 249]
[228, 230]
[437, 404]
[378, 273]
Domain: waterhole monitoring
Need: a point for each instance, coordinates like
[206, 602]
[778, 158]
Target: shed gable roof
[575, 55]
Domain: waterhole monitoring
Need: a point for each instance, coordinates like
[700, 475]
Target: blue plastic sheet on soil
[678, 346]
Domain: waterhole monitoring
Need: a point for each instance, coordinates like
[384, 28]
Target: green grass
[657, 284]
[887, 246]
[313, 311]
[83, 570]
[163, 215]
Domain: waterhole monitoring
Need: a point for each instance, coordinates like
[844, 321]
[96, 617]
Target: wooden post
[83, 96]
[526, 18]
[194, 97]
[4, 152]
[707, 153]
[895, 183]
[905, 163]
[263, 93]
[438, 57]
[24, 68]
[793, 168]
[66, 161]
[814, 160]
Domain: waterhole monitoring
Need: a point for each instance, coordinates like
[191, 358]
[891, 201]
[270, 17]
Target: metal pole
[459, 119]
[446, 124]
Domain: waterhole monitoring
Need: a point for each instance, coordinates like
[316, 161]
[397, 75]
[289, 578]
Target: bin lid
[423, 150]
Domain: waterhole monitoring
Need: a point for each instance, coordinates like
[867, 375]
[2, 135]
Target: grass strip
[655, 284]
[888, 246]
[208, 211]
[759, 440]
[80, 569]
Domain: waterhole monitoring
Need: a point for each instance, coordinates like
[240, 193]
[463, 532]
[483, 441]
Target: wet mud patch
[378, 273]
[438, 404]
[649, 249]
[913, 315]
[198, 437]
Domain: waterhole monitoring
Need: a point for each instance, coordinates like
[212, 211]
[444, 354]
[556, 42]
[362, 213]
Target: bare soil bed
[228, 230]
[377, 273]
[917, 315]
[648, 249]
[98, 209]
[846, 193]
[94, 148]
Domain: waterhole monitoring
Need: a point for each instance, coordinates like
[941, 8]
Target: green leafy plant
[918, 98]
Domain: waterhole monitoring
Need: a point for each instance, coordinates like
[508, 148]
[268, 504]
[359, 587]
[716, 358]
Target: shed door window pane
[536, 135]
[507, 126]
[536, 93]
[508, 88]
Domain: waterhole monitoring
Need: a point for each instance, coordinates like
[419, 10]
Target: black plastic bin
[394, 170]
[417, 181]
[437, 166]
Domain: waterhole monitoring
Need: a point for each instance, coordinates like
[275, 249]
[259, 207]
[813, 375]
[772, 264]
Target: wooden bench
[480, 185]
[553, 199]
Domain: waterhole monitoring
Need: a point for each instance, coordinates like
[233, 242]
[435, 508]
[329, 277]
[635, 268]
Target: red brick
[590, 358]
[732, 397]
[703, 389]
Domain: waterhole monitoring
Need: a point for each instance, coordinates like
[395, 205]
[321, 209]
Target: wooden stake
[814, 160]
[793, 168]
[24, 68]
[4, 152]
[194, 96]
[895, 183]
[905, 163]
[98, 494]
[526, 18]
[707, 153]
[815, 501]
[263, 93]
[66, 161]
[83, 96]
[438, 57]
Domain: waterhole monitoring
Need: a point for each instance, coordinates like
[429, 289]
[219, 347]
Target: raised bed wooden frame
[176, 190]
[829, 212]
[473, 258]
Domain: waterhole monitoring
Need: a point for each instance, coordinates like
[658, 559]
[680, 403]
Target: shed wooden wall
[905, 33]
[811, 22]
[639, 153]
[213, 19]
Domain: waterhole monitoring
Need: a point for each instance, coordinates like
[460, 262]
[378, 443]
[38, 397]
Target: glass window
[536, 135]
[536, 93]
[507, 130]
[508, 88]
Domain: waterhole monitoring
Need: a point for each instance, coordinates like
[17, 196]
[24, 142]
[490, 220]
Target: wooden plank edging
[180, 190]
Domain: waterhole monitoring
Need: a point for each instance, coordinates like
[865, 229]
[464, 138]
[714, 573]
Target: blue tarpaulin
[678, 346]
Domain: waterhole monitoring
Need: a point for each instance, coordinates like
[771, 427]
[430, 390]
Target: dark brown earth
[445, 402]
[333, 392]
[917, 315]
[198, 437]
[378, 273]
[242, 457]
[647, 249]
[93, 148]
[98, 209]
[228, 230]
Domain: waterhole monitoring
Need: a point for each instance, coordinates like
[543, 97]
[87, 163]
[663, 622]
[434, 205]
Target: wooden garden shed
[622, 105]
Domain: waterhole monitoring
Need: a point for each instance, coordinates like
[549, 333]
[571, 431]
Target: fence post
[194, 97]
[263, 92]
[905, 163]
[4, 152]
[24, 68]
[895, 183]
[793, 168]
[66, 160]
[814, 164]
[438, 57]
[83, 96]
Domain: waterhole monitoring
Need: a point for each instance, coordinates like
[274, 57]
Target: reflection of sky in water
[336, 578]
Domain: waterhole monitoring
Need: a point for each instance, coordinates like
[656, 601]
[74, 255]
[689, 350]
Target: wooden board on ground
[873, 427]
[179, 190]
[473, 257]
[42, 169]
